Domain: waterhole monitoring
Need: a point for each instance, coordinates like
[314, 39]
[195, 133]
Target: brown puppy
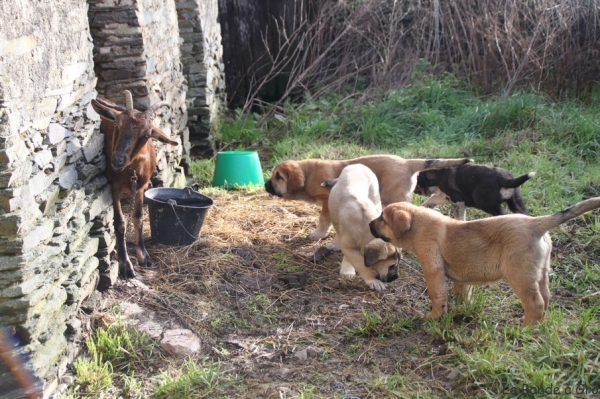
[516, 247]
[301, 180]
[353, 203]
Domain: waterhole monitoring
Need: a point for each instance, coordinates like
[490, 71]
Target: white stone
[56, 133]
[130, 310]
[180, 342]
[42, 158]
[150, 327]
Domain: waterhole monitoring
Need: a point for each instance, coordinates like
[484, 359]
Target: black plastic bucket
[176, 214]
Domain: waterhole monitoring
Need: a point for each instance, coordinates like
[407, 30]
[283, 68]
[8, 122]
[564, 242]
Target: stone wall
[56, 234]
[136, 47]
[202, 59]
[53, 197]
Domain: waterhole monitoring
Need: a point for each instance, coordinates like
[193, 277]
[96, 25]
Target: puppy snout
[374, 232]
[392, 273]
[269, 188]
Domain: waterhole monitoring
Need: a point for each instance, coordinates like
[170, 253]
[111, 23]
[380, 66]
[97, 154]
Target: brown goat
[131, 160]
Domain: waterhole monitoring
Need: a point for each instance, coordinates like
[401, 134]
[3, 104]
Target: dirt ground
[284, 323]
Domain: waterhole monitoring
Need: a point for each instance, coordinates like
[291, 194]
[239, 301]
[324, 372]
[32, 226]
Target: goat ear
[161, 136]
[401, 222]
[104, 111]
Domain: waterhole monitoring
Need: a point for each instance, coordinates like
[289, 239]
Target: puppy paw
[317, 235]
[347, 270]
[375, 285]
[332, 247]
[434, 314]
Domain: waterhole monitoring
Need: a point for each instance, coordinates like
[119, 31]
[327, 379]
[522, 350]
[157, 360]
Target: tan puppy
[353, 203]
[301, 180]
[516, 247]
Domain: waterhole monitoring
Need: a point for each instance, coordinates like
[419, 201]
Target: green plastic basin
[237, 168]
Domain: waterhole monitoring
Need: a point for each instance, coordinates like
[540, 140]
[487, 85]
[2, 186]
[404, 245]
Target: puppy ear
[401, 222]
[295, 178]
[375, 251]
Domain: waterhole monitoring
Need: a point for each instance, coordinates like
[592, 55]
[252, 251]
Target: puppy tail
[547, 223]
[329, 183]
[516, 182]
[419, 165]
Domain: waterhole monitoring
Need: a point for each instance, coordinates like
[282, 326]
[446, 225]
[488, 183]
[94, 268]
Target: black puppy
[473, 185]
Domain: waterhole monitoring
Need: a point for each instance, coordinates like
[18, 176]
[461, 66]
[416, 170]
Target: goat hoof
[126, 271]
[147, 262]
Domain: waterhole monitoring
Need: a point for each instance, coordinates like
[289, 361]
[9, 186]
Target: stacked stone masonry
[202, 59]
[136, 47]
[56, 235]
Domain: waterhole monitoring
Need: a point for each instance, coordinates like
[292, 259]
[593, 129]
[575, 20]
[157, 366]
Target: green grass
[114, 352]
[285, 262]
[195, 380]
[377, 325]
[481, 343]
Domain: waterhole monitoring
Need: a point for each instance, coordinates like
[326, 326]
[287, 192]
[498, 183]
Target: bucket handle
[173, 203]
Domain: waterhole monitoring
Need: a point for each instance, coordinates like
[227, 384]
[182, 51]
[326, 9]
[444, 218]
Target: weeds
[375, 325]
[478, 349]
[194, 381]
[93, 373]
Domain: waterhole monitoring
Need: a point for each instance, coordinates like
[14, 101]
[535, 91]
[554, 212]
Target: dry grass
[282, 325]
[250, 288]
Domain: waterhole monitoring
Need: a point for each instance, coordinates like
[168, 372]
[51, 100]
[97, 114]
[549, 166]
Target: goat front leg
[125, 266]
[138, 220]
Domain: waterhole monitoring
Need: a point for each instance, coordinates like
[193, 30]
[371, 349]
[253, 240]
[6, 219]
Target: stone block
[46, 356]
[90, 266]
[87, 250]
[60, 149]
[74, 326]
[34, 281]
[68, 177]
[179, 179]
[99, 202]
[106, 252]
[11, 262]
[116, 74]
[48, 198]
[40, 182]
[180, 342]
[91, 301]
[88, 289]
[23, 304]
[105, 239]
[96, 184]
[49, 319]
[75, 242]
[87, 172]
[93, 146]
[73, 71]
[18, 176]
[39, 234]
[73, 146]
[56, 133]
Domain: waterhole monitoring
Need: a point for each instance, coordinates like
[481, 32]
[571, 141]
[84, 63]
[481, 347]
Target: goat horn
[128, 100]
[152, 109]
